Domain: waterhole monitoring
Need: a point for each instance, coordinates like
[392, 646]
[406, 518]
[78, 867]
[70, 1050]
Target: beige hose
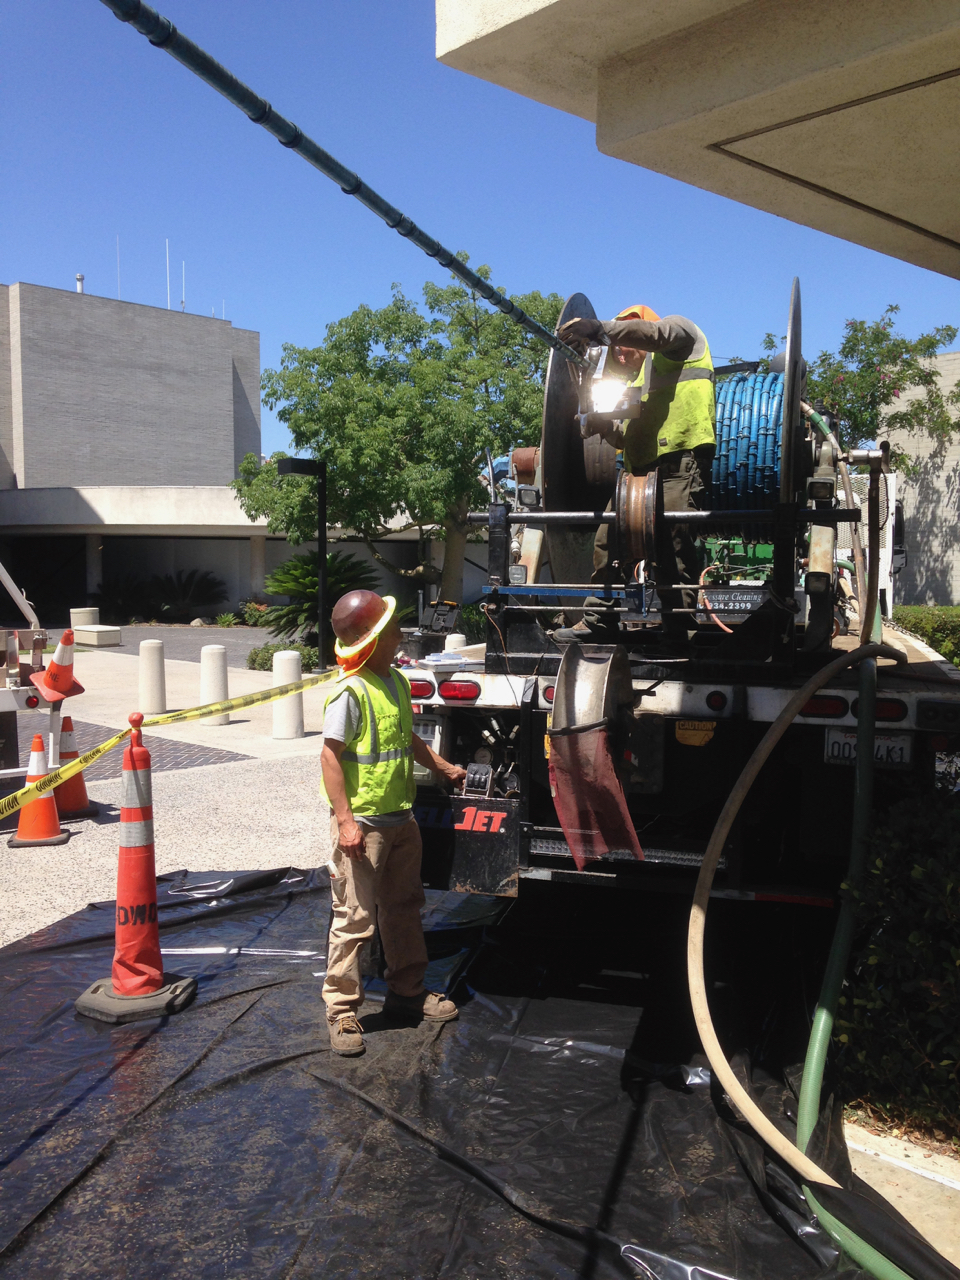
[735, 1091]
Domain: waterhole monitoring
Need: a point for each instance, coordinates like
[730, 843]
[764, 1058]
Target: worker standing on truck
[369, 748]
[671, 380]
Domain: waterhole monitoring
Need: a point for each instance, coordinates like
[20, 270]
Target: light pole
[311, 467]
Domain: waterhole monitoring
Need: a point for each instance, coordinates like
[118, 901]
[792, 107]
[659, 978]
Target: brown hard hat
[356, 614]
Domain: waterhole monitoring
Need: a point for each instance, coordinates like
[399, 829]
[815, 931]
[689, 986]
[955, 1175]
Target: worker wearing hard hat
[369, 748]
[670, 378]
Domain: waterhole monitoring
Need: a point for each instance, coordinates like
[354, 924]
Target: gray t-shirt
[341, 723]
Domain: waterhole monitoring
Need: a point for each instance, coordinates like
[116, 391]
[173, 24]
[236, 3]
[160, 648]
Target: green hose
[812, 1083]
[846, 564]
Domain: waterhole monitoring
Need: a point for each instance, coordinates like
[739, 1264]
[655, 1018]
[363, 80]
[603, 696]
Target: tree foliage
[863, 383]
[402, 405]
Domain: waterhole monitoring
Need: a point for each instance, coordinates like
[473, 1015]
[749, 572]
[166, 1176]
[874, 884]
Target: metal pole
[164, 35]
[321, 559]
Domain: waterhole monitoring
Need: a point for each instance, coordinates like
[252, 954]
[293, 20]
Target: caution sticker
[695, 733]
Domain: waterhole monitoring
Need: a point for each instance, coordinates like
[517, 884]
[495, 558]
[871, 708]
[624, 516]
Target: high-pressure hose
[856, 543]
[795, 1156]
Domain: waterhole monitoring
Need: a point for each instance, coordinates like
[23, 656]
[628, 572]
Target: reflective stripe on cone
[137, 963]
[71, 796]
[38, 823]
[57, 682]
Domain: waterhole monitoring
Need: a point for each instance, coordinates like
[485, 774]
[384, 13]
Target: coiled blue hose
[746, 467]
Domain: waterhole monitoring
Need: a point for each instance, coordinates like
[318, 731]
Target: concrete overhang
[191, 511]
[842, 116]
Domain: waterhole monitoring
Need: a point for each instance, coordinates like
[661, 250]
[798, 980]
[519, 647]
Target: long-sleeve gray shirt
[676, 337]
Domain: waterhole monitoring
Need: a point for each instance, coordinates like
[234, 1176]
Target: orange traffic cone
[138, 986]
[57, 682]
[72, 798]
[38, 823]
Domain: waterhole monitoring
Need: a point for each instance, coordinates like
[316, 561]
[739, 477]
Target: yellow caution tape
[10, 804]
[36, 789]
[245, 700]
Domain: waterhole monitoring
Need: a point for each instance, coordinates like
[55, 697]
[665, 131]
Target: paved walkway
[186, 642]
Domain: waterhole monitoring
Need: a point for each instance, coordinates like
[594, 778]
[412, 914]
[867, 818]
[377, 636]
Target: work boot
[346, 1035]
[600, 624]
[426, 1007]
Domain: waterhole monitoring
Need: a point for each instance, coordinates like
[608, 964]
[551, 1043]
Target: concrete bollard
[153, 681]
[288, 712]
[213, 680]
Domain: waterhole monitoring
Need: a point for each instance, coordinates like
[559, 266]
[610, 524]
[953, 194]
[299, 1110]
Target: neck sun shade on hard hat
[351, 657]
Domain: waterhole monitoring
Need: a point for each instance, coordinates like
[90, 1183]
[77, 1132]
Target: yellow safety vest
[378, 766]
[678, 409]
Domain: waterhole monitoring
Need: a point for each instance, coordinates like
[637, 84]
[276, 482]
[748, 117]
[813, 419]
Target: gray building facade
[95, 391]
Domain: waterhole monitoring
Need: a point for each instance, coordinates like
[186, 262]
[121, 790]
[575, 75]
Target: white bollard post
[288, 712]
[153, 681]
[213, 680]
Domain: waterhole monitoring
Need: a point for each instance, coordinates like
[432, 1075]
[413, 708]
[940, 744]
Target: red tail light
[889, 709]
[548, 692]
[32, 701]
[716, 700]
[422, 688]
[459, 690]
[826, 706]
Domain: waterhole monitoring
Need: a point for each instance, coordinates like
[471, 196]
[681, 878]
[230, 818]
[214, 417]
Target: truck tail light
[716, 700]
[889, 709]
[548, 692]
[459, 690]
[826, 707]
[422, 688]
[32, 701]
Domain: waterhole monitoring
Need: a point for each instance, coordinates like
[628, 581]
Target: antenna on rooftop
[183, 291]
[118, 267]
[168, 275]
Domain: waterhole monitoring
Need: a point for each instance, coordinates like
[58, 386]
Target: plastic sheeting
[588, 797]
[561, 1128]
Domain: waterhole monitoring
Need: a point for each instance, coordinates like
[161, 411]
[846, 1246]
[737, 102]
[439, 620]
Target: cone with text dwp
[137, 963]
[39, 823]
[57, 682]
[72, 798]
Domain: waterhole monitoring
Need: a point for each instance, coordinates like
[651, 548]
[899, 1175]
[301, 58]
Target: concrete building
[931, 509]
[842, 117]
[121, 426]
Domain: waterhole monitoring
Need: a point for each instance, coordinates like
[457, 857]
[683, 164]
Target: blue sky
[104, 135]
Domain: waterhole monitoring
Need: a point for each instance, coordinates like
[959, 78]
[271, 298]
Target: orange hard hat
[359, 617]
[637, 313]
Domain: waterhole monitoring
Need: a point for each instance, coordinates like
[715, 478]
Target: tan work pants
[381, 888]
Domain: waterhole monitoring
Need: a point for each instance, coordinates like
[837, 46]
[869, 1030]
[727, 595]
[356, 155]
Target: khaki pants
[381, 888]
[686, 482]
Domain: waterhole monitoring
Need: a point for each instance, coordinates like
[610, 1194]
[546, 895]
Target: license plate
[428, 729]
[890, 750]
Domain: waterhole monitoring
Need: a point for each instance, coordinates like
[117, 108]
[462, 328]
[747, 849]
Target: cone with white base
[138, 987]
[38, 824]
[57, 682]
[72, 799]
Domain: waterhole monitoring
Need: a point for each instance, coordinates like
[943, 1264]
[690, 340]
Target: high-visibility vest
[678, 408]
[378, 765]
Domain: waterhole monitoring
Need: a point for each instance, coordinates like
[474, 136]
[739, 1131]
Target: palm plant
[298, 578]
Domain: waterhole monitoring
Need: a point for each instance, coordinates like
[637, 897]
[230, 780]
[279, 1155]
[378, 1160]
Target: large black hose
[164, 35]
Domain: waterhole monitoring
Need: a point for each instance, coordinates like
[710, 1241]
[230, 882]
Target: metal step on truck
[609, 763]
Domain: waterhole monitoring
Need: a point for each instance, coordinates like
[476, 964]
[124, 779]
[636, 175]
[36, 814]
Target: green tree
[402, 405]
[864, 380]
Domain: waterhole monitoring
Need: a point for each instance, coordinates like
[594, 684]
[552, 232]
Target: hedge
[262, 659]
[899, 1016]
[937, 624]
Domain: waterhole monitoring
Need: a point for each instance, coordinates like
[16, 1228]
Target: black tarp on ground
[549, 1132]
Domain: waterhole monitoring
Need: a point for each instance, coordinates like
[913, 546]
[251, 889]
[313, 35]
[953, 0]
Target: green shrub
[226, 619]
[262, 659]
[937, 624]
[252, 612]
[298, 578]
[900, 1013]
[474, 622]
[120, 599]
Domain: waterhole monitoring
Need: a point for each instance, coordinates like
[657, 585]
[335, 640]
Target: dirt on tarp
[563, 1127]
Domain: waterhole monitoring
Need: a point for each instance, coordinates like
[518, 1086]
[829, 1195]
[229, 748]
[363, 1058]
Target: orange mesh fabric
[588, 796]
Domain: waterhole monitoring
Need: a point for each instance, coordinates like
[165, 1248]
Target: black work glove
[583, 332]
